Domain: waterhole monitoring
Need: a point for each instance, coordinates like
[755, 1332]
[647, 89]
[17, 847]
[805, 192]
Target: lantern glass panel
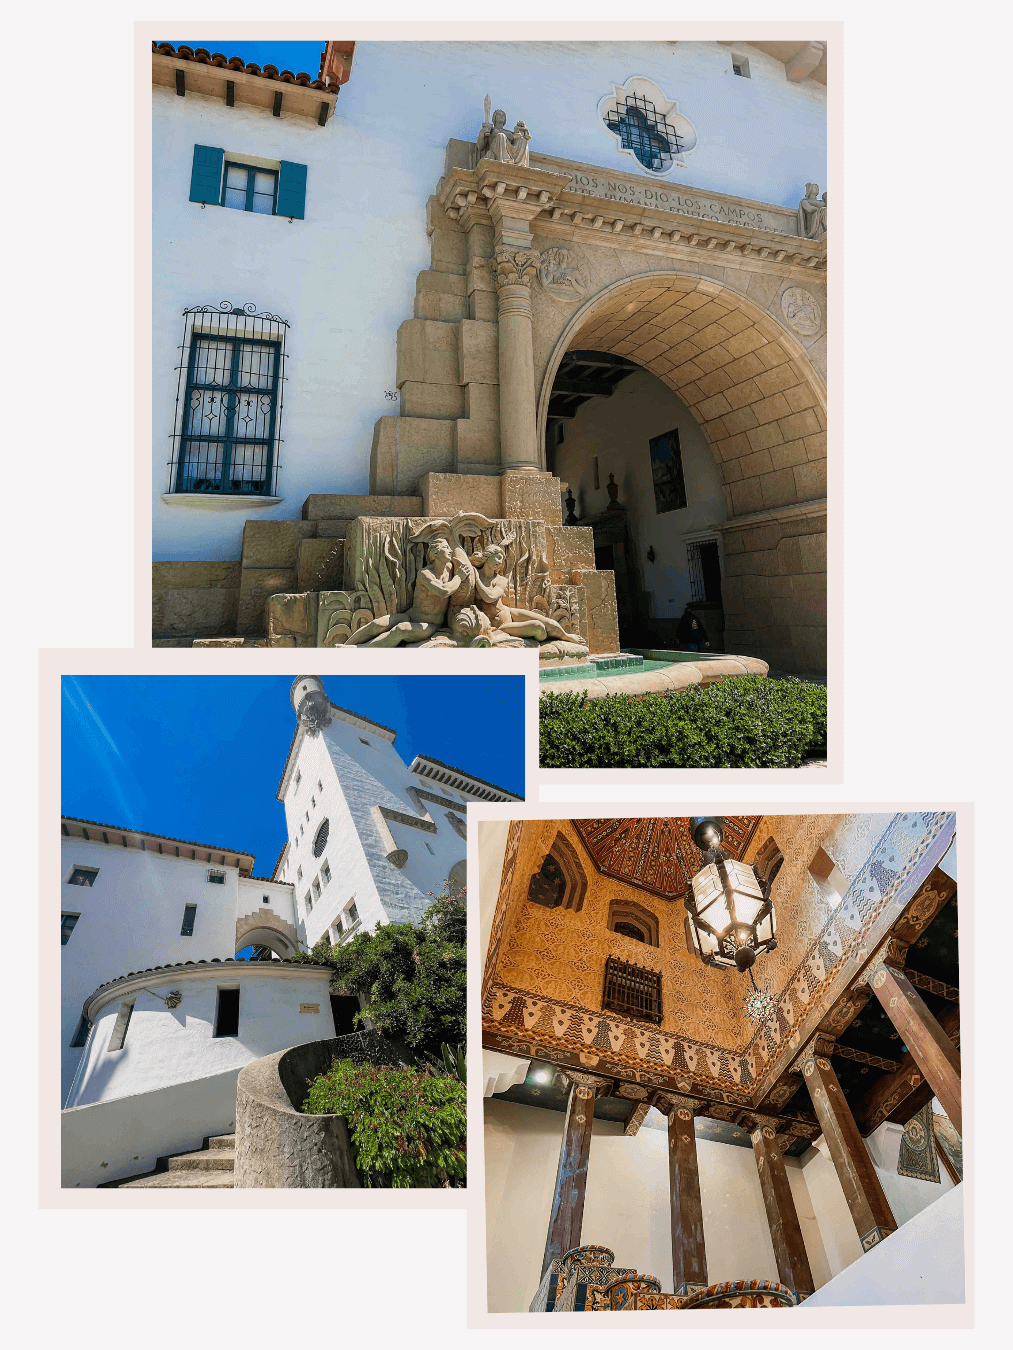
[748, 895]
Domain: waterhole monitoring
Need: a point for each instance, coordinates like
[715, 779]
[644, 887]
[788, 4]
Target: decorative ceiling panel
[656, 853]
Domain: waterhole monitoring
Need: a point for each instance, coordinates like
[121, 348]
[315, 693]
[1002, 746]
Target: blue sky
[294, 56]
[200, 757]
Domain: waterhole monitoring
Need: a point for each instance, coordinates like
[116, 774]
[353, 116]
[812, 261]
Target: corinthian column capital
[514, 266]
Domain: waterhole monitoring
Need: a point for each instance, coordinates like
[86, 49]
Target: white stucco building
[321, 216]
[157, 1014]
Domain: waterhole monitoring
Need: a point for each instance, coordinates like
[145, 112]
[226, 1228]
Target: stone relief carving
[562, 275]
[498, 144]
[812, 213]
[801, 311]
[482, 583]
[457, 824]
[515, 266]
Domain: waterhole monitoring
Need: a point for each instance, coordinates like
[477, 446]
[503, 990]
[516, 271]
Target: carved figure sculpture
[812, 213]
[490, 588]
[434, 587]
[500, 145]
[558, 277]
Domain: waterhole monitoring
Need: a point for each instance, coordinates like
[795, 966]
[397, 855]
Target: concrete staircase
[211, 1167]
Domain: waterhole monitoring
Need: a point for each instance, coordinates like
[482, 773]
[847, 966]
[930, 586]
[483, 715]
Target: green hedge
[406, 1128]
[745, 723]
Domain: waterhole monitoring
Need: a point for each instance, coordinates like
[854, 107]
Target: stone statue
[500, 145]
[491, 586]
[812, 213]
[434, 587]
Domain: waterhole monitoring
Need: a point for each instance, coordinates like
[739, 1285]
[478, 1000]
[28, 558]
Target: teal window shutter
[292, 190]
[206, 177]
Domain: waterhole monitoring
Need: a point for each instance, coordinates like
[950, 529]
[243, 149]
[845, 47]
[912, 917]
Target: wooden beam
[782, 1217]
[180, 84]
[567, 1213]
[589, 388]
[605, 359]
[870, 1209]
[276, 109]
[898, 1096]
[934, 1053]
[230, 93]
[689, 1256]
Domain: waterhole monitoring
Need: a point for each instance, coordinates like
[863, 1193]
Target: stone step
[220, 1141]
[179, 1180]
[205, 1160]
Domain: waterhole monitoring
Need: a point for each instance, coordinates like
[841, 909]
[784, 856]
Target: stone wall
[774, 590]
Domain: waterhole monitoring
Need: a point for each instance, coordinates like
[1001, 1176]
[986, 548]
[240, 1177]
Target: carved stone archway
[264, 928]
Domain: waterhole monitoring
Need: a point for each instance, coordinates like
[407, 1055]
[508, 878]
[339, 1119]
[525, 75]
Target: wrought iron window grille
[642, 129]
[226, 438]
[632, 990]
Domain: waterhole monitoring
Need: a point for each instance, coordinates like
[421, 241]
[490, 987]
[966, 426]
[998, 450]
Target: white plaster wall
[131, 919]
[356, 778]
[127, 1136]
[345, 276]
[178, 1045]
[908, 1196]
[922, 1263]
[618, 430]
[276, 896]
[626, 1203]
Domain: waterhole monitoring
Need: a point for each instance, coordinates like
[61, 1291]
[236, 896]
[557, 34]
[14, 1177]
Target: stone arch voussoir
[265, 929]
[747, 380]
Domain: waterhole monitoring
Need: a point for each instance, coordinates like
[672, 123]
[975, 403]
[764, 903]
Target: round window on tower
[320, 842]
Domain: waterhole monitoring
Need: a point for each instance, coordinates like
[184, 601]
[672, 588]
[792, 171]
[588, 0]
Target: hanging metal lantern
[731, 919]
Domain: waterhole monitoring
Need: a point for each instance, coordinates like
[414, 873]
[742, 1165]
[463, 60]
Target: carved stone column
[567, 1211]
[689, 1255]
[782, 1217]
[930, 1047]
[513, 269]
[870, 1209]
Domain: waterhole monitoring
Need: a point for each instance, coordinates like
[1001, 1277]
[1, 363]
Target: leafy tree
[412, 977]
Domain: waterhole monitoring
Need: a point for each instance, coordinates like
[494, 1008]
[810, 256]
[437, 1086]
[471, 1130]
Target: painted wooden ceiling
[656, 853]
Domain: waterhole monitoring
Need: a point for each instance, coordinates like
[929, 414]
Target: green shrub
[745, 723]
[406, 1128]
[413, 977]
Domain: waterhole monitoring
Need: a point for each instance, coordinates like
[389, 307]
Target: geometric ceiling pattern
[657, 853]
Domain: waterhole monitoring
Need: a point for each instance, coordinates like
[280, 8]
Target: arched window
[560, 881]
[631, 920]
[767, 863]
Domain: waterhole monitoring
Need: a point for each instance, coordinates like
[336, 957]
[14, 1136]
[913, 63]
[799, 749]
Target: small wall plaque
[309, 1007]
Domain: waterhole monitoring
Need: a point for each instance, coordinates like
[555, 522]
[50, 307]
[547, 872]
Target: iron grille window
[320, 842]
[704, 565]
[632, 990]
[642, 129]
[229, 402]
[67, 923]
[189, 916]
[245, 188]
[216, 878]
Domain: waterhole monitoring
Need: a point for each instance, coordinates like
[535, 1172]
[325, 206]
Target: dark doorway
[227, 1021]
[605, 558]
[710, 566]
[343, 1009]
